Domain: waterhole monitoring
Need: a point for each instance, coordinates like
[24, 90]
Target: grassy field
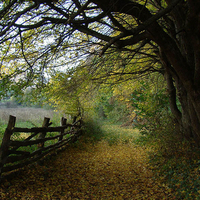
[34, 116]
[27, 117]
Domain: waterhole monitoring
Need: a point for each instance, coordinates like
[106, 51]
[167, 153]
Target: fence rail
[16, 154]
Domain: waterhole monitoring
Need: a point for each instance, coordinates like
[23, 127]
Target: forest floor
[92, 171]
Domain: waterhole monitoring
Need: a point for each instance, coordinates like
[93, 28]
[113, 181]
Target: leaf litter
[89, 171]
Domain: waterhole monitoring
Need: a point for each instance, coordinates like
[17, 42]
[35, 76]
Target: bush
[176, 162]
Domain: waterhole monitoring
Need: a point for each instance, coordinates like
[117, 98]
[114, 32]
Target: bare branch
[80, 10]
[17, 16]
[22, 48]
[4, 10]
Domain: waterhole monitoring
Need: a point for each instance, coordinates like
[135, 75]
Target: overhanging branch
[22, 48]
[17, 16]
[138, 29]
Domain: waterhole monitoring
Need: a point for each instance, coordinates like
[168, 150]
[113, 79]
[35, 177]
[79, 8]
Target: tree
[165, 31]
[62, 92]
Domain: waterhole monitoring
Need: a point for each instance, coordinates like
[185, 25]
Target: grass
[27, 117]
[114, 133]
[33, 116]
[111, 133]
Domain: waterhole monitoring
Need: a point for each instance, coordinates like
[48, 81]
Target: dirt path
[92, 172]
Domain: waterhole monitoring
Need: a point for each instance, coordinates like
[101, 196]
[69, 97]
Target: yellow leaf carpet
[89, 171]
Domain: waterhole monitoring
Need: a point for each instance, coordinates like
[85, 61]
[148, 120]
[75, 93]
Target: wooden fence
[18, 153]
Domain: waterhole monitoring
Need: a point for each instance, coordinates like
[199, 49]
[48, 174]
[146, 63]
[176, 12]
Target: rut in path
[89, 171]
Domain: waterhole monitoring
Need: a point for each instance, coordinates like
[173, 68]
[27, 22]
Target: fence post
[63, 123]
[5, 141]
[43, 134]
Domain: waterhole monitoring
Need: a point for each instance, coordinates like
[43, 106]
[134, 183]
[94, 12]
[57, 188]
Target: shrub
[176, 162]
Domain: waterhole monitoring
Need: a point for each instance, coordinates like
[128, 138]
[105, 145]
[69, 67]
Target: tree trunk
[190, 124]
[186, 118]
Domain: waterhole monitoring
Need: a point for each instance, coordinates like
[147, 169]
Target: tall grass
[33, 116]
[27, 117]
[111, 133]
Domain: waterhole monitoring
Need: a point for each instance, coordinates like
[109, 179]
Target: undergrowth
[176, 162]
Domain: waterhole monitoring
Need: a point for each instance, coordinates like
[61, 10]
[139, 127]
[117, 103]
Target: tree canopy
[37, 37]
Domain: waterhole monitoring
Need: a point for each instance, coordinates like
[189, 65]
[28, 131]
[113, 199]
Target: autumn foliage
[89, 170]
